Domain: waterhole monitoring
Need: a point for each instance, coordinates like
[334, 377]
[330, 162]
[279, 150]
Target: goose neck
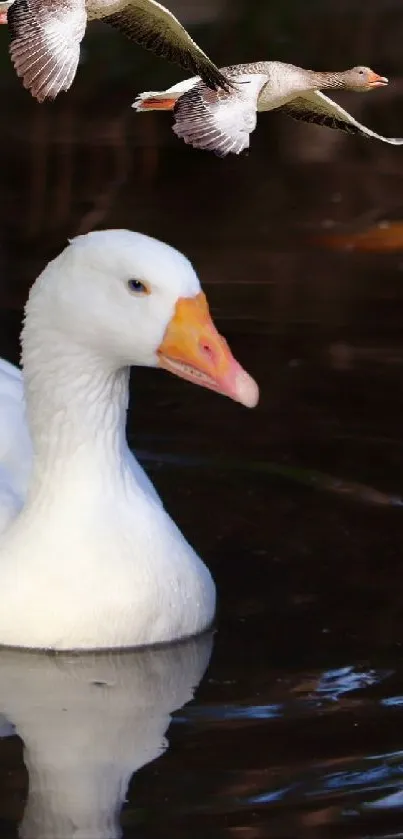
[325, 80]
[76, 405]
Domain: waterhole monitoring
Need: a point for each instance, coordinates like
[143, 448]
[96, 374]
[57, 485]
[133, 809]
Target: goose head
[133, 300]
[362, 79]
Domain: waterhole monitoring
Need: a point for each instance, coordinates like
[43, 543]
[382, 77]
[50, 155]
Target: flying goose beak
[377, 81]
[193, 349]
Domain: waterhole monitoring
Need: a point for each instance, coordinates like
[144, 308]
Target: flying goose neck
[296, 80]
[325, 80]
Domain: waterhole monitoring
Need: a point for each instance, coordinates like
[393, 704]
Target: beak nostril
[207, 350]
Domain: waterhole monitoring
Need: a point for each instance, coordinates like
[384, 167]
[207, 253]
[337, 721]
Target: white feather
[93, 560]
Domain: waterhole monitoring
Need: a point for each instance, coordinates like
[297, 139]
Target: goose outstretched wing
[157, 29]
[45, 43]
[318, 108]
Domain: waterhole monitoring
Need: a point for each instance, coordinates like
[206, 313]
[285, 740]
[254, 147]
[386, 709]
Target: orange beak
[3, 17]
[376, 81]
[193, 349]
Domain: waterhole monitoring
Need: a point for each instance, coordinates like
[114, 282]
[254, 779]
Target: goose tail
[154, 101]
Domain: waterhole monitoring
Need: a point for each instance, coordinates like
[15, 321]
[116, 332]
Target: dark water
[296, 729]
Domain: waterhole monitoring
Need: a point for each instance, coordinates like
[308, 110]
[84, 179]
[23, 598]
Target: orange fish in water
[385, 236]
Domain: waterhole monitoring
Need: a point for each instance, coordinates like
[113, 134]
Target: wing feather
[45, 45]
[219, 121]
[317, 108]
[157, 29]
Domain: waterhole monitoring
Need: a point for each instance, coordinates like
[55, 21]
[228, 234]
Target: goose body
[90, 559]
[46, 37]
[222, 121]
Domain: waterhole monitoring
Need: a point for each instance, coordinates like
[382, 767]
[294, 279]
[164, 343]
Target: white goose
[93, 560]
[223, 120]
[46, 38]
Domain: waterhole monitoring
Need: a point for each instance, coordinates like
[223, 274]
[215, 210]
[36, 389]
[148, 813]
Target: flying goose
[46, 37]
[222, 121]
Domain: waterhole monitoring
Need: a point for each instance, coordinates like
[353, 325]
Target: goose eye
[137, 287]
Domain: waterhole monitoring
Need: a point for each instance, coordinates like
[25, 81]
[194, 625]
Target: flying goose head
[133, 300]
[362, 79]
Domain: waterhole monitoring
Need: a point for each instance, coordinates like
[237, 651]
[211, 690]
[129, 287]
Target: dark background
[295, 506]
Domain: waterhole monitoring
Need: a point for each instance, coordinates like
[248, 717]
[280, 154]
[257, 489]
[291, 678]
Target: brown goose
[222, 121]
[46, 37]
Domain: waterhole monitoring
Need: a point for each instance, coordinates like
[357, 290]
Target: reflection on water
[87, 724]
[296, 507]
[298, 751]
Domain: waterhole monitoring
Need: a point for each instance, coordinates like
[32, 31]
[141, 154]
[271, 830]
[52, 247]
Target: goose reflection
[88, 723]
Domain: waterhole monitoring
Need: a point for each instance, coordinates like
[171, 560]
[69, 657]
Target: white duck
[93, 560]
[222, 121]
[46, 37]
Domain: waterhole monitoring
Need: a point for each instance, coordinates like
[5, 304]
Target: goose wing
[219, 121]
[7, 729]
[15, 443]
[318, 108]
[45, 45]
[155, 28]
